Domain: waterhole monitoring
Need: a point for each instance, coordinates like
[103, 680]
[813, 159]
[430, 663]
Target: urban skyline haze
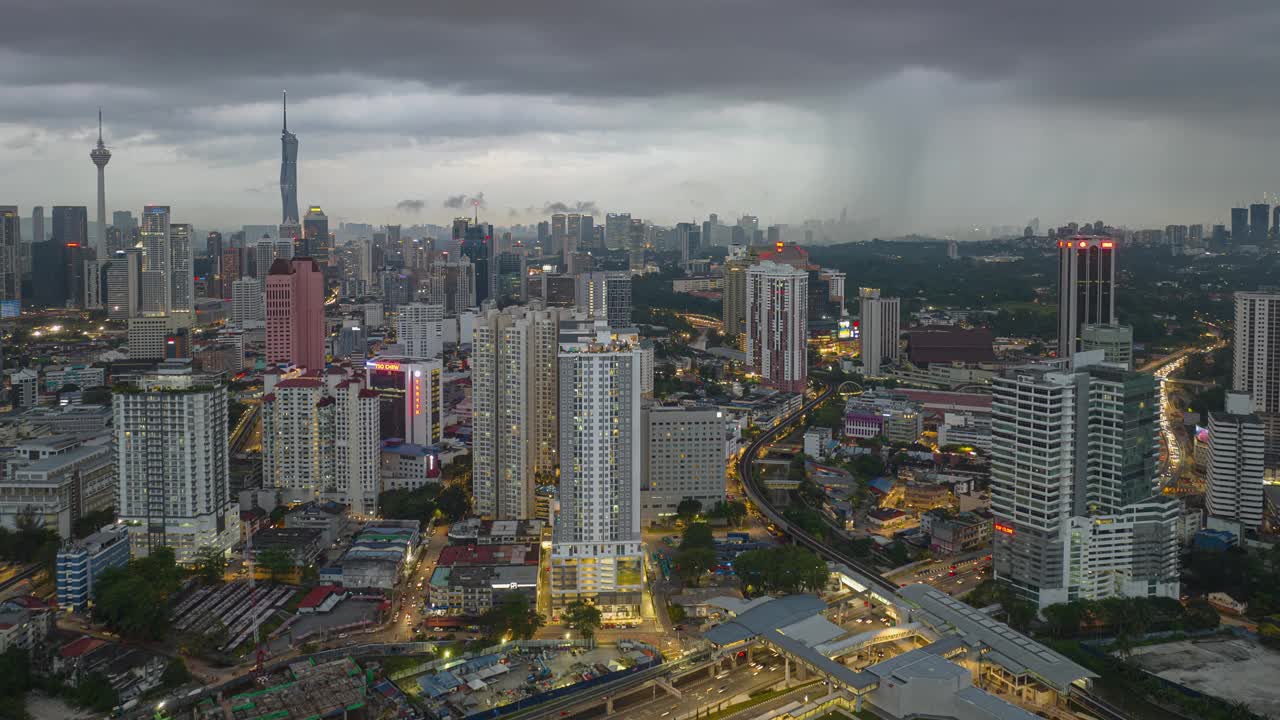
[921, 118]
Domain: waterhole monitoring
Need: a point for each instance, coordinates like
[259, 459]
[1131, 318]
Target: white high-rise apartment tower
[321, 438]
[182, 295]
[420, 330]
[1256, 366]
[124, 284]
[171, 460]
[777, 325]
[514, 376]
[157, 287]
[248, 304]
[1237, 452]
[596, 553]
[1074, 484]
[880, 324]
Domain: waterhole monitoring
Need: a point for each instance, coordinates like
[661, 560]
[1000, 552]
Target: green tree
[582, 618]
[175, 673]
[275, 561]
[513, 616]
[211, 564]
[95, 692]
[15, 680]
[697, 535]
[688, 509]
[693, 562]
[91, 522]
[134, 600]
[1064, 619]
[732, 511]
[783, 569]
[454, 502]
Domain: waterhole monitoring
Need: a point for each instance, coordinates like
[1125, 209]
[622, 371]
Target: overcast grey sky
[923, 114]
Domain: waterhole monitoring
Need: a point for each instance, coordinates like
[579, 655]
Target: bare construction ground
[1229, 668]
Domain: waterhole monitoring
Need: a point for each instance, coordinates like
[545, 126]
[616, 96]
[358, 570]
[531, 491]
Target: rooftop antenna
[476, 204]
[99, 125]
[285, 106]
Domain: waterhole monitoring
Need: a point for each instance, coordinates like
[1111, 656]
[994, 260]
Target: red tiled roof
[318, 595]
[81, 646]
[487, 555]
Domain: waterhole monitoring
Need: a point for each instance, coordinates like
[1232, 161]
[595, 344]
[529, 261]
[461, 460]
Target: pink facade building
[295, 313]
[778, 325]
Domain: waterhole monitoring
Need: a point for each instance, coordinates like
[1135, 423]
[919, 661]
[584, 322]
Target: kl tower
[100, 157]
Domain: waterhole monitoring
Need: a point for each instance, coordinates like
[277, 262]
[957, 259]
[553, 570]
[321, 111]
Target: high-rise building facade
[1236, 466]
[596, 554]
[182, 293]
[70, 224]
[1240, 226]
[411, 397]
[230, 265]
[734, 298]
[1116, 342]
[157, 286]
[1074, 491]
[270, 249]
[478, 246]
[124, 284]
[1259, 223]
[1086, 287]
[321, 438]
[605, 296]
[248, 304]
[11, 251]
[420, 330]
[684, 459]
[514, 408]
[880, 324]
[1256, 360]
[315, 234]
[171, 461]
[778, 325]
[617, 230]
[295, 313]
[288, 169]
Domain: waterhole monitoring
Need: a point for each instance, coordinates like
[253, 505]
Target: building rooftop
[948, 345]
[461, 555]
[1008, 648]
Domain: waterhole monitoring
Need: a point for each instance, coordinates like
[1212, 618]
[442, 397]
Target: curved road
[758, 498]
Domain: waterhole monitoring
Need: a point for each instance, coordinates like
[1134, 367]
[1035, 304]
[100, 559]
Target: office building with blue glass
[82, 562]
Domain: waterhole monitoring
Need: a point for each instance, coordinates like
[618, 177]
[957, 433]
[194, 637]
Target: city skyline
[832, 116]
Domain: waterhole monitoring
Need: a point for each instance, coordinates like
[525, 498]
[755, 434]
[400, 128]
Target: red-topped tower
[295, 313]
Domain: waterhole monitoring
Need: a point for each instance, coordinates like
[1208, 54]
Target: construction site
[305, 690]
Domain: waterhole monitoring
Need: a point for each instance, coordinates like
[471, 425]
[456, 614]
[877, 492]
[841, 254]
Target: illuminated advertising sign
[1006, 529]
[844, 330]
[382, 365]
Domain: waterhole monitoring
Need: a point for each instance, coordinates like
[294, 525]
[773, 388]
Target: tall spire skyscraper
[288, 171]
[100, 156]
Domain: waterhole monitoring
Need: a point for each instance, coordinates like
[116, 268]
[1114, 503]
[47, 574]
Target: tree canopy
[513, 616]
[582, 618]
[782, 569]
[134, 600]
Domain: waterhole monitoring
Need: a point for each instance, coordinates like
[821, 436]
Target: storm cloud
[411, 206]
[919, 115]
[586, 207]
